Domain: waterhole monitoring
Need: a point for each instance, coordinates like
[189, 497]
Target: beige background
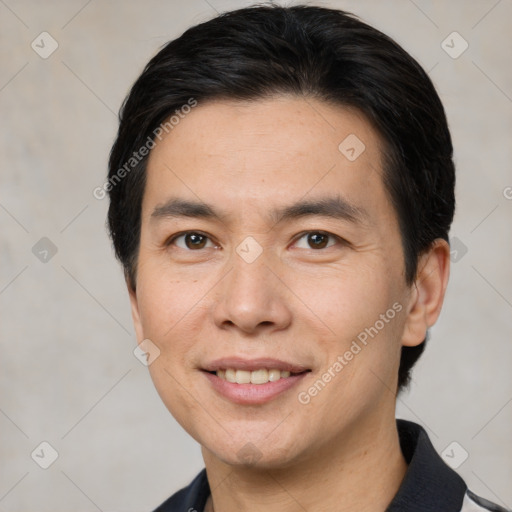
[68, 374]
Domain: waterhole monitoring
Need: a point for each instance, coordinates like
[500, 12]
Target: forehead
[265, 152]
[294, 125]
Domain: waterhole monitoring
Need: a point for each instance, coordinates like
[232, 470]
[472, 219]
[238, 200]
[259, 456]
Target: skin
[303, 304]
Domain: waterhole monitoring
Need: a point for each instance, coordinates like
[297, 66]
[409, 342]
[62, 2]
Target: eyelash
[338, 239]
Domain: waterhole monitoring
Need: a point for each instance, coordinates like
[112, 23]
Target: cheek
[346, 299]
[360, 315]
[169, 309]
[166, 299]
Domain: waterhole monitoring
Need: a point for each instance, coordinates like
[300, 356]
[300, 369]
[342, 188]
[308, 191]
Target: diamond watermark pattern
[249, 250]
[44, 45]
[44, 250]
[458, 249]
[351, 147]
[454, 45]
[249, 454]
[44, 455]
[454, 455]
[146, 352]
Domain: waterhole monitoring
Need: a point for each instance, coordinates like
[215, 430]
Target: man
[282, 188]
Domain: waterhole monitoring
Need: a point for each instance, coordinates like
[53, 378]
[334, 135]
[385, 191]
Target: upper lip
[238, 363]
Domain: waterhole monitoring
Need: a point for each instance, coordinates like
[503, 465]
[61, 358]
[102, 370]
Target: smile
[261, 376]
[238, 386]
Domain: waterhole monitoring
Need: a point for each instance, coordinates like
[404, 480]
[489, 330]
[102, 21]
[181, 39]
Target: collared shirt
[429, 485]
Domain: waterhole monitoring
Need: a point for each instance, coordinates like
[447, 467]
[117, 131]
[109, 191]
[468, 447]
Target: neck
[355, 472]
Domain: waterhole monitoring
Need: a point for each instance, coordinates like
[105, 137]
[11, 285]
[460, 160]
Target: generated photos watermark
[137, 156]
[355, 348]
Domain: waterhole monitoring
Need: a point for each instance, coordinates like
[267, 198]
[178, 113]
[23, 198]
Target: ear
[427, 292]
[135, 311]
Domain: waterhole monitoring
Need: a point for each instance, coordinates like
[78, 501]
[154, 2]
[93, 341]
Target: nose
[252, 299]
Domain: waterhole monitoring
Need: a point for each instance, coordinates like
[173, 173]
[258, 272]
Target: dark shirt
[429, 485]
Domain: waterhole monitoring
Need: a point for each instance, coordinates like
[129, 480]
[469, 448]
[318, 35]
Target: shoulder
[474, 503]
[430, 485]
[191, 498]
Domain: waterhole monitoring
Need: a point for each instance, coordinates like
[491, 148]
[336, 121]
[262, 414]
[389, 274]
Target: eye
[317, 240]
[191, 240]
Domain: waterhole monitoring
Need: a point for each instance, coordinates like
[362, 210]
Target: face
[268, 242]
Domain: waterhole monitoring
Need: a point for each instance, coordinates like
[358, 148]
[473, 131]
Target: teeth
[274, 375]
[242, 377]
[261, 376]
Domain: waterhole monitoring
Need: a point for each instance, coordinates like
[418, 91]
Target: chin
[244, 453]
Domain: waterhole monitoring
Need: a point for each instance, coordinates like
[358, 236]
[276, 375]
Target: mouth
[253, 382]
[258, 377]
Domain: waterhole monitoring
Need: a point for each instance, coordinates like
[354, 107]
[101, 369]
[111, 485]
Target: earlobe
[427, 292]
[135, 312]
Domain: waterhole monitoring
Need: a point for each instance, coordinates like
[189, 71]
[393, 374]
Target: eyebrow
[335, 207]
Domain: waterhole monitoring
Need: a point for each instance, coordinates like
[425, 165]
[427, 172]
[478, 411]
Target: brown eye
[191, 241]
[316, 240]
[195, 241]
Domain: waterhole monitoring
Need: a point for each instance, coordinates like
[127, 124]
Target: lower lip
[253, 394]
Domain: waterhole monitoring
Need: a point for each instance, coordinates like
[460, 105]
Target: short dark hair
[315, 52]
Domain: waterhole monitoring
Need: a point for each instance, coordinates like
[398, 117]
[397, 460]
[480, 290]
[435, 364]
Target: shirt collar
[429, 484]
